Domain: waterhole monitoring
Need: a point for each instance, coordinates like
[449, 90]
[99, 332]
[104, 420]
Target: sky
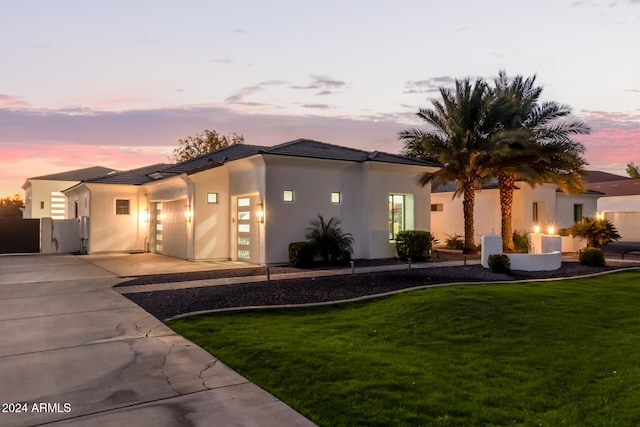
[118, 83]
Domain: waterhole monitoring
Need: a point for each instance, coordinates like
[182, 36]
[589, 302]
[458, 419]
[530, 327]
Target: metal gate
[19, 235]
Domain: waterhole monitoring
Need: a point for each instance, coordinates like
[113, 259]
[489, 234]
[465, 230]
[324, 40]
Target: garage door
[627, 224]
[170, 237]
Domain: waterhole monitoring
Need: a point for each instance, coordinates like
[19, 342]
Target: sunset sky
[117, 83]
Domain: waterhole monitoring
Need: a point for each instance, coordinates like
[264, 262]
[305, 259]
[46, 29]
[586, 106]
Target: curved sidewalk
[75, 352]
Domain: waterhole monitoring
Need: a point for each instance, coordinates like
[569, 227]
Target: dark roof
[599, 176]
[322, 150]
[77, 175]
[627, 187]
[215, 158]
[134, 176]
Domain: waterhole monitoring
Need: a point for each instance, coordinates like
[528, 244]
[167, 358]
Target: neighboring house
[248, 202]
[43, 194]
[545, 206]
[620, 203]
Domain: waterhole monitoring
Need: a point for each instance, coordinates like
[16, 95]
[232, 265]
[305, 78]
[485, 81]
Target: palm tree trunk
[506, 183]
[468, 202]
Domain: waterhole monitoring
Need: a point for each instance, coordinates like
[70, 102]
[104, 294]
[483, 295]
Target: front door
[247, 230]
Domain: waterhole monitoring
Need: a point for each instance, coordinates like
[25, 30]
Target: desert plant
[521, 242]
[499, 263]
[591, 256]
[595, 231]
[454, 242]
[301, 254]
[414, 244]
[328, 240]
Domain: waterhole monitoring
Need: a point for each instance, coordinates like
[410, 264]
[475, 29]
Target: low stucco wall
[536, 262]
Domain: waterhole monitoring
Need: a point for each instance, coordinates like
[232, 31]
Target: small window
[122, 207]
[535, 212]
[288, 195]
[437, 207]
[336, 197]
[212, 197]
[577, 213]
[244, 202]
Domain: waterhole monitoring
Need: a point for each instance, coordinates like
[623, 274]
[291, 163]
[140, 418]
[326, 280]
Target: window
[437, 207]
[396, 215]
[212, 197]
[535, 212]
[122, 207]
[41, 205]
[336, 197]
[577, 213]
[288, 195]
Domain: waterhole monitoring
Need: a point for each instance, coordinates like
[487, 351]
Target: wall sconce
[188, 213]
[536, 229]
[599, 216]
[145, 215]
[260, 213]
[551, 229]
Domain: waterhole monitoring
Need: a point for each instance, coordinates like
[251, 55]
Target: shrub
[414, 244]
[591, 256]
[521, 242]
[329, 241]
[596, 232]
[454, 242]
[301, 254]
[499, 263]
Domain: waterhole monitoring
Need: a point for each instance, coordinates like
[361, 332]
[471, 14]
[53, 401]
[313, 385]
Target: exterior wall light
[536, 229]
[188, 213]
[260, 213]
[599, 216]
[145, 215]
[551, 229]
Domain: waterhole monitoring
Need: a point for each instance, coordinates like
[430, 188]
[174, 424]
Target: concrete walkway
[75, 353]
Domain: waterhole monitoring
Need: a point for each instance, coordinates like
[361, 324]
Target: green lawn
[551, 353]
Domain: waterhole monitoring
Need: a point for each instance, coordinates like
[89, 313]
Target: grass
[549, 353]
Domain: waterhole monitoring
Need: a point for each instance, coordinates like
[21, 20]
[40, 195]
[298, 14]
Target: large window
[400, 214]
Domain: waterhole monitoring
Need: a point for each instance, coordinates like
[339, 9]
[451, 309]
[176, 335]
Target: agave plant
[329, 241]
[596, 232]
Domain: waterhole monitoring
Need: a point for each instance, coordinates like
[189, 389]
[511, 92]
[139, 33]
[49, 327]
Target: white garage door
[170, 229]
[627, 224]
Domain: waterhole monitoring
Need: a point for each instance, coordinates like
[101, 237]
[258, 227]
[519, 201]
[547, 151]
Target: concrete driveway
[74, 352]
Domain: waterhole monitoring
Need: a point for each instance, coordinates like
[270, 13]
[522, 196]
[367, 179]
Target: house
[248, 202]
[43, 194]
[620, 202]
[544, 206]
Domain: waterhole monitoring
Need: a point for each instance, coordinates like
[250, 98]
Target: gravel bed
[165, 304]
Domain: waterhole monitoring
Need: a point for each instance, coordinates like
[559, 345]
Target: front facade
[620, 204]
[543, 206]
[249, 202]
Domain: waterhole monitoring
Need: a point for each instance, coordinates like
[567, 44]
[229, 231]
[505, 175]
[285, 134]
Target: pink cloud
[8, 101]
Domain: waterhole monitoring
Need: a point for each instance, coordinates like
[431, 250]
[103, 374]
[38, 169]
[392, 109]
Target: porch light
[551, 229]
[599, 216]
[260, 213]
[145, 215]
[188, 213]
[536, 229]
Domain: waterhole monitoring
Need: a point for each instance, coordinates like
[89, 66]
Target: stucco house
[544, 206]
[620, 202]
[43, 194]
[248, 202]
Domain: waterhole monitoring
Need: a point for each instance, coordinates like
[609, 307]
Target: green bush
[591, 256]
[329, 242]
[499, 263]
[301, 254]
[521, 242]
[414, 244]
[596, 232]
[454, 242]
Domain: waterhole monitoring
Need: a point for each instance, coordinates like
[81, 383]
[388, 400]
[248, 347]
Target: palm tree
[547, 154]
[466, 131]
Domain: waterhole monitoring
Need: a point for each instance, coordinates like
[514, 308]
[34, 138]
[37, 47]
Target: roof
[599, 176]
[627, 187]
[321, 150]
[134, 176]
[298, 148]
[77, 175]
